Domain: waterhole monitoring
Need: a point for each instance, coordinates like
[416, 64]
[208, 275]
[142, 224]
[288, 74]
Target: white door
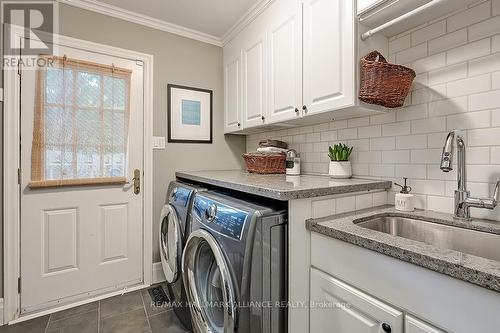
[285, 61]
[232, 94]
[254, 79]
[340, 308]
[79, 241]
[414, 325]
[329, 52]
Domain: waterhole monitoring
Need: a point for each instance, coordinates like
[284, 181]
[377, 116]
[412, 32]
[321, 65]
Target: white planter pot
[340, 169]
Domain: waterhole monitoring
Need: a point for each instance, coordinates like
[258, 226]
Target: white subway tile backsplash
[485, 29]
[468, 51]
[495, 80]
[495, 118]
[496, 7]
[345, 204]
[412, 112]
[427, 156]
[483, 137]
[412, 54]
[382, 143]
[440, 204]
[468, 120]
[385, 118]
[322, 208]
[469, 86]
[399, 44]
[448, 106]
[370, 131]
[448, 74]
[401, 128]
[495, 44]
[430, 125]
[448, 41]
[487, 100]
[457, 86]
[411, 142]
[485, 65]
[364, 201]
[468, 17]
[379, 198]
[357, 122]
[413, 171]
[348, 133]
[396, 156]
[429, 32]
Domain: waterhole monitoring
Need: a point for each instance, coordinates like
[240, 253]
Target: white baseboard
[158, 275]
[1, 311]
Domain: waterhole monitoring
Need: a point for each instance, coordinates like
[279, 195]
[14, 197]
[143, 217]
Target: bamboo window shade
[81, 120]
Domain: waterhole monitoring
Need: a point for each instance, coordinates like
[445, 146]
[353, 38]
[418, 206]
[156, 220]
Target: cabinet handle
[296, 110]
[387, 328]
[239, 124]
[304, 108]
[263, 117]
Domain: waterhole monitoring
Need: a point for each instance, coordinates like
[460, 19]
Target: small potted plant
[340, 166]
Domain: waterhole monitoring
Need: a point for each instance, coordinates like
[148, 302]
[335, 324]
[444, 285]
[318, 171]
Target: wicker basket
[265, 163]
[383, 83]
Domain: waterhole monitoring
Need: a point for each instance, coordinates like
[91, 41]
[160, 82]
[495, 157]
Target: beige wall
[177, 60]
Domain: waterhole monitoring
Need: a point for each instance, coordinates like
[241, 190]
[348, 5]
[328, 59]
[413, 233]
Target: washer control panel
[221, 218]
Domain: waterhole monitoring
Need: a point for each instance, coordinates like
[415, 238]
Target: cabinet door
[232, 95]
[414, 325]
[340, 308]
[254, 83]
[329, 64]
[285, 60]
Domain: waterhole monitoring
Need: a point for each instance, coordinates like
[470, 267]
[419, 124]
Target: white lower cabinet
[340, 308]
[414, 325]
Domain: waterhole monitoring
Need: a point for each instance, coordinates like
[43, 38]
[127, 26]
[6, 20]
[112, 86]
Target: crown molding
[245, 20]
[144, 20]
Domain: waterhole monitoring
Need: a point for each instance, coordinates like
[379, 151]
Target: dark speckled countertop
[282, 187]
[477, 270]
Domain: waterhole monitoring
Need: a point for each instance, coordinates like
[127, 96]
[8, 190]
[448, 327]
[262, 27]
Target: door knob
[387, 328]
[137, 181]
[262, 117]
[304, 108]
[296, 110]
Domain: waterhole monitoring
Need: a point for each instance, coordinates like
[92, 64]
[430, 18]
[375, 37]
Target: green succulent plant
[339, 152]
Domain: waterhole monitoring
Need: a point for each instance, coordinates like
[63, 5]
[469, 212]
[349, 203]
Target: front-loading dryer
[174, 230]
[234, 266]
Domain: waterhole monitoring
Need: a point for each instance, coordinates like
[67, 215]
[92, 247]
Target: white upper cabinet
[340, 308]
[232, 91]
[329, 55]
[254, 80]
[285, 60]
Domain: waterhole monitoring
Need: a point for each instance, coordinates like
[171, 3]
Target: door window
[81, 120]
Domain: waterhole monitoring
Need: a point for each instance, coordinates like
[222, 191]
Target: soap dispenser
[404, 200]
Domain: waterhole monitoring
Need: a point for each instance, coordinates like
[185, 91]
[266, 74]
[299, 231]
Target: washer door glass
[208, 284]
[170, 243]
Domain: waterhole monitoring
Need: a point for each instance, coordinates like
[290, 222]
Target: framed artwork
[190, 114]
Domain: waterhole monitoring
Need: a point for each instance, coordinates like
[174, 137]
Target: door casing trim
[11, 157]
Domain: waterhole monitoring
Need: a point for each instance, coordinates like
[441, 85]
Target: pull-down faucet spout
[463, 201]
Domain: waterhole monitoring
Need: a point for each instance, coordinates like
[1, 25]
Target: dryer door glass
[209, 284]
[170, 244]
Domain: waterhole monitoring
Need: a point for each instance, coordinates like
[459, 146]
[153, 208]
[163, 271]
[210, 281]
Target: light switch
[158, 142]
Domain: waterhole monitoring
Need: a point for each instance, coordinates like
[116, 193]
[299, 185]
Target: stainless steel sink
[478, 243]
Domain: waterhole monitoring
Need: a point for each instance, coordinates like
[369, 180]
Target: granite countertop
[477, 270]
[282, 187]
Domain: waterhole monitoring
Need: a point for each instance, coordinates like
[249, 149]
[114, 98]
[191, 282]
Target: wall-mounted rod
[403, 17]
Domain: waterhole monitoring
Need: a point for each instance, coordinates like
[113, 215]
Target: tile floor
[129, 313]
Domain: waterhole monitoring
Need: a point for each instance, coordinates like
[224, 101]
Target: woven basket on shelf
[382, 83]
[265, 163]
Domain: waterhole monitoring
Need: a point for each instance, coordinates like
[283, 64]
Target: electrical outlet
[158, 142]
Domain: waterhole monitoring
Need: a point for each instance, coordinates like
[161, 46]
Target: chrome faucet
[463, 201]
